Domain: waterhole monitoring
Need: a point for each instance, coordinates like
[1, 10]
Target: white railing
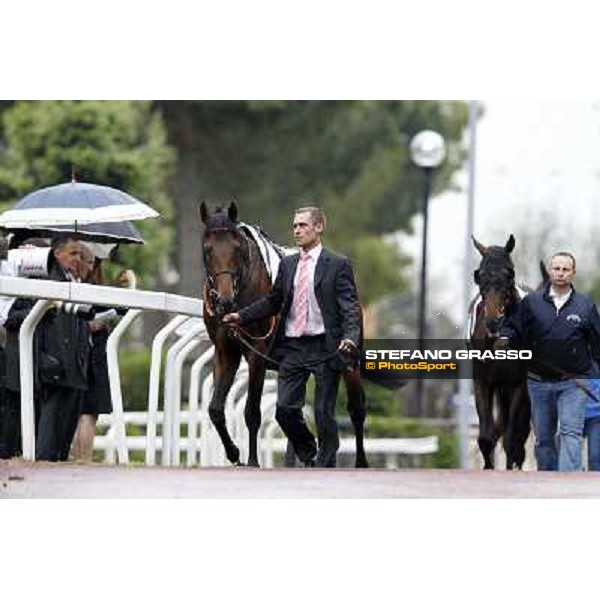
[48, 291]
[202, 444]
[270, 442]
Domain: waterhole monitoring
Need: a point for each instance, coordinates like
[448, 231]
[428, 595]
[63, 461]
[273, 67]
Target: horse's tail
[544, 272]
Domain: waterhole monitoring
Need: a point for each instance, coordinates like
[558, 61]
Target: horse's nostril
[227, 305]
[494, 324]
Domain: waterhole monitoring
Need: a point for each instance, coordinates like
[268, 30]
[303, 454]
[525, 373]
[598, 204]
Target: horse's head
[226, 257]
[496, 280]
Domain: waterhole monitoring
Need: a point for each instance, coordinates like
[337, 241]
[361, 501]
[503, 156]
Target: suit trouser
[292, 396]
[54, 425]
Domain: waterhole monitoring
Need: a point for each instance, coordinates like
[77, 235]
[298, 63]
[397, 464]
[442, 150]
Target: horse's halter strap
[239, 277]
[491, 278]
[239, 334]
[506, 294]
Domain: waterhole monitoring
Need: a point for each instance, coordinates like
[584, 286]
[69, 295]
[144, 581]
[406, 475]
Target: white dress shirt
[314, 323]
[560, 299]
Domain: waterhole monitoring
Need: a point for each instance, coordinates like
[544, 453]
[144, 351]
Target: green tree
[350, 156]
[121, 144]
[378, 267]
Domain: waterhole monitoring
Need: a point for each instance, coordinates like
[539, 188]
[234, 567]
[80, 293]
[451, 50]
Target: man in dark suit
[315, 296]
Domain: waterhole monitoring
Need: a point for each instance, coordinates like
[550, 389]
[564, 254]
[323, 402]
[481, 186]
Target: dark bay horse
[235, 277]
[500, 385]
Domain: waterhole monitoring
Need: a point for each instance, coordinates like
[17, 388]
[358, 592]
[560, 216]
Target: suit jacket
[335, 292]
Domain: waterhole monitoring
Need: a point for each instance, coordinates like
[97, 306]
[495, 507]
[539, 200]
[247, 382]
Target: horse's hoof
[361, 463]
[238, 463]
[254, 464]
[233, 456]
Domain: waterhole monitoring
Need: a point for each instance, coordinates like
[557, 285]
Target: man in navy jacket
[562, 328]
[314, 324]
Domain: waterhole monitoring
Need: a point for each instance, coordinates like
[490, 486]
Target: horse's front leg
[256, 379]
[506, 426]
[356, 407]
[225, 367]
[484, 401]
[520, 418]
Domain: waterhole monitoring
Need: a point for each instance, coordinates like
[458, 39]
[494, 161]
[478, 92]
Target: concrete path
[19, 479]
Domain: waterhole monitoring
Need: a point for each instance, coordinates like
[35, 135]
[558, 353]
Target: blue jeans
[557, 405]
[592, 431]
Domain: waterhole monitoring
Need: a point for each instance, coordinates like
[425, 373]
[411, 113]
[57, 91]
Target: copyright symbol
[370, 365]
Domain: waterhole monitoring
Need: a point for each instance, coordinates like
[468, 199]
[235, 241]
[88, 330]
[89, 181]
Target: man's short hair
[59, 242]
[316, 214]
[566, 255]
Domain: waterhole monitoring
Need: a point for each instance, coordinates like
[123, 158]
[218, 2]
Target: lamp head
[428, 149]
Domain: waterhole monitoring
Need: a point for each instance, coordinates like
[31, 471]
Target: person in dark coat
[61, 350]
[96, 399]
[316, 297]
[4, 450]
[5, 420]
[10, 409]
[562, 328]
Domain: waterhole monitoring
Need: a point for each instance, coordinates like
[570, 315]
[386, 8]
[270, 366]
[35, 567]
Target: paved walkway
[19, 479]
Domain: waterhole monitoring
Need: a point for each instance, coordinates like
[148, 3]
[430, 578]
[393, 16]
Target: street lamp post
[428, 151]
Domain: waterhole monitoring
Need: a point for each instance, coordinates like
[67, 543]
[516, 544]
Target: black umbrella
[75, 203]
[123, 232]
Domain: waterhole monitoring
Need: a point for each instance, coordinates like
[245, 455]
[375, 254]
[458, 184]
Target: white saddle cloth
[268, 250]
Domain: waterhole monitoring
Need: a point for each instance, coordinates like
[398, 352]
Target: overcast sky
[537, 164]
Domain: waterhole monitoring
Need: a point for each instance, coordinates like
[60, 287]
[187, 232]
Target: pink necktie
[301, 296]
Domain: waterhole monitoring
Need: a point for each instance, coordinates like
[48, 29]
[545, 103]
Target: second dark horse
[236, 276]
[502, 380]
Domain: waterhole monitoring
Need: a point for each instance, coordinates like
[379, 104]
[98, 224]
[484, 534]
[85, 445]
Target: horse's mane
[280, 250]
[220, 221]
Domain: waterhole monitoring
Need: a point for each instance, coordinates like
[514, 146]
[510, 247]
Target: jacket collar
[321, 267]
[550, 298]
[322, 262]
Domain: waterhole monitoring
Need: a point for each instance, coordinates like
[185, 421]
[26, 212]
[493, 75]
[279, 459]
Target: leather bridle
[239, 276]
[492, 276]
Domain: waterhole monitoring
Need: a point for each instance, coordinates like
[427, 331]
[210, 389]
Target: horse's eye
[207, 249]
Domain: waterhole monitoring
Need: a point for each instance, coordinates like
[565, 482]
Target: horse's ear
[510, 245]
[544, 272]
[232, 212]
[203, 212]
[482, 249]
